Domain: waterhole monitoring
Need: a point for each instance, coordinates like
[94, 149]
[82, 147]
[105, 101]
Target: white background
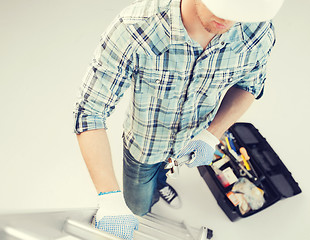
[44, 52]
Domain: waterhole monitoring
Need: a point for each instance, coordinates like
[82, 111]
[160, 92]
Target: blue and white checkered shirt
[176, 85]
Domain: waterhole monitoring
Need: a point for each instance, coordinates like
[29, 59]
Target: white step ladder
[54, 225]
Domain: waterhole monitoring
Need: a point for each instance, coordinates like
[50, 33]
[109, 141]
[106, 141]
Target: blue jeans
[140, 183]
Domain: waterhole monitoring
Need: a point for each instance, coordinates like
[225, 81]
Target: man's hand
[114, 217]
[200, 149]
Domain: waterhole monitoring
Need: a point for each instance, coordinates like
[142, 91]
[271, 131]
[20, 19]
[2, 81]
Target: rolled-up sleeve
[106, 80]
[254, 81]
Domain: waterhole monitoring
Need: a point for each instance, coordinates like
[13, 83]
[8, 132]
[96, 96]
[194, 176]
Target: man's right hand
[114, 217]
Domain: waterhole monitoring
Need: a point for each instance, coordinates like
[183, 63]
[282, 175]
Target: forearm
[95, 149]
[234, 105]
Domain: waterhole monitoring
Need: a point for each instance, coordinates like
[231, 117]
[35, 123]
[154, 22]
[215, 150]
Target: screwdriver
[244, 154]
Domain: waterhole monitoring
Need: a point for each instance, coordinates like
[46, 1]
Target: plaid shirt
[176, 85]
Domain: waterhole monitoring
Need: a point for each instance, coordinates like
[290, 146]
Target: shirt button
[223, 43]
[157, 81]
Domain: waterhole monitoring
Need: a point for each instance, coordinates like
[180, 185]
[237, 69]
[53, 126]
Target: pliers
[173, 165]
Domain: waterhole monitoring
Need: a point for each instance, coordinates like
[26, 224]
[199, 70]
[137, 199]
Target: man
[179, 58]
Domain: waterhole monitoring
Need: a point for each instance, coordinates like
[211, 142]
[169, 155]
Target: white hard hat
[244, 10]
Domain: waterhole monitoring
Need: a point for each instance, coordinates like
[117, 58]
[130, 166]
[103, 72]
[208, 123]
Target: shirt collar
[235, 37]
[247, 35]
[178, 32]
[234, 34]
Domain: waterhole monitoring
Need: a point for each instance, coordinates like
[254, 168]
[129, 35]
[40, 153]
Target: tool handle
[244, 153]
[186, 159]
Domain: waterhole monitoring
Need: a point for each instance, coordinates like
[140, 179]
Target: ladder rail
[77, 223]
[10, 233]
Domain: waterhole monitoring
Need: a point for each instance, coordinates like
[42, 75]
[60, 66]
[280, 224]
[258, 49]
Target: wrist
[104, 193]
[217, 132]
[207, 137]
[106, 185]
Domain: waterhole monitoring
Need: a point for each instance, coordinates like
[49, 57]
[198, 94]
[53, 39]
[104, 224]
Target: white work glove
[200, 149]
[114, 217]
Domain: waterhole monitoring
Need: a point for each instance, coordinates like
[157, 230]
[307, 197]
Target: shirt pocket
[226, 78]
[159, 84]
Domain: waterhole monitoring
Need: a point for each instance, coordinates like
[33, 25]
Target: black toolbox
[269, 173]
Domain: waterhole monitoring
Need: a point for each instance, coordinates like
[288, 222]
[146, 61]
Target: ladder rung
[181, 227]
[161, 221]
[162, 235]
[147, 225]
